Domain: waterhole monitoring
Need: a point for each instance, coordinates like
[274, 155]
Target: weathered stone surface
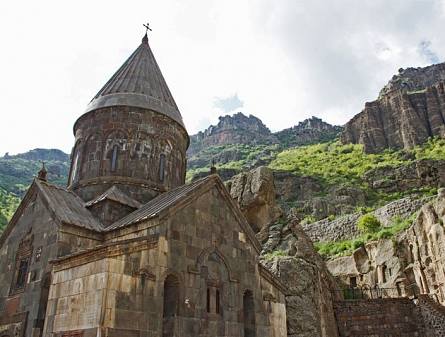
[255, 193]
[418, 174]
[300, 196]
[309, 301]
[409, 110]
[345, 227]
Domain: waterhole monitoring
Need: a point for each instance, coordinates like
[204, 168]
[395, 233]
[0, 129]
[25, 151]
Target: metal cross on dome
[147, 27]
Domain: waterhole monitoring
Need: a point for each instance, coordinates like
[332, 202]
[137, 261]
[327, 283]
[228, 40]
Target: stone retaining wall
[345, 227]
[379, 318]
[433, 315]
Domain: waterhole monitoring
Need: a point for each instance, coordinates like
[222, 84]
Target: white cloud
[286, 60]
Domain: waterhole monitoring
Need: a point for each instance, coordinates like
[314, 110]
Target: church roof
[115, 194]
[67, 206]
[138, 83]
[158, 204]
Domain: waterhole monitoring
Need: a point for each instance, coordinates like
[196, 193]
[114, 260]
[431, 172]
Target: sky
[280, 60]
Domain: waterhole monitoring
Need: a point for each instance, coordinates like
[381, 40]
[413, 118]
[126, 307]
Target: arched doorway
[171, 306]
[249, 314]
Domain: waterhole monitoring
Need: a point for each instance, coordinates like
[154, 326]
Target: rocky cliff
[410, 109]
[309, 302]
[236, 129]
[310, 131]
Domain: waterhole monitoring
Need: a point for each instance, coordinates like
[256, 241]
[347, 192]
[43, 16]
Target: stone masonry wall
[433, 315]
[379, 318]
[345, 227]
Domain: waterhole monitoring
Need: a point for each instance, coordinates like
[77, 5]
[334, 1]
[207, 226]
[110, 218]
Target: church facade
[129, 249]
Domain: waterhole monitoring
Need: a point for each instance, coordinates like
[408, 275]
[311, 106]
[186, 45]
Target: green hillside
[348, 165]
[18, 171]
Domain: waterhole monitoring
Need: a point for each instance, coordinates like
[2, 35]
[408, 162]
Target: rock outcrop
[236, 129]
[304, 196]
[418, 174]
[255, 193]
[310, 131]
[414, 79]
[410, 109]
[309, 302]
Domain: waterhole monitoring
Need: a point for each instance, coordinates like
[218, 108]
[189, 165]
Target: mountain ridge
[410, 109]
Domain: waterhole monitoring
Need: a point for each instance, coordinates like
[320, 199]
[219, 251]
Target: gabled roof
[67, 206]
[158, 204]
[138, 83]
[115, 194]
[167, 200]
[64, 205]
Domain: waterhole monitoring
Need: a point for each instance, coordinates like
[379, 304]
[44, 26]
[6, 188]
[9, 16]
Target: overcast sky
[282, 61]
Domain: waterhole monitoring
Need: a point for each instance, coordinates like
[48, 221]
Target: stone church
[127, 248]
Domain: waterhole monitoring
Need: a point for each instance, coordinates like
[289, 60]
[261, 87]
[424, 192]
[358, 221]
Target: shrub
[368, 223]
[308, 219]
[384, 234]
[274, 254]
[358, 243]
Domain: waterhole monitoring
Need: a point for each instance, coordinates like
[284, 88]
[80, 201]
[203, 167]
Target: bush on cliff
[368, 223]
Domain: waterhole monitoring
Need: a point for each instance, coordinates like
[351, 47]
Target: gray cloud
[426, 51]
[227, 104]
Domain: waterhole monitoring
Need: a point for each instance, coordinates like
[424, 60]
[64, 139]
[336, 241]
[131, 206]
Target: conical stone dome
[138, 83]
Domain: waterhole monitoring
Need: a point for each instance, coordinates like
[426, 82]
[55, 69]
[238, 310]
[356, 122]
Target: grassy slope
[336, 164]
[247, 156]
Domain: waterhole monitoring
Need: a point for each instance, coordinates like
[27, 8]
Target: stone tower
[131, 136]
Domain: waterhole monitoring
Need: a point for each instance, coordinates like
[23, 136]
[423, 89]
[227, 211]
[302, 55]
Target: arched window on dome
[217, 302]
[114, 157]
[115, 153]
[208, 300]
[162, 167]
